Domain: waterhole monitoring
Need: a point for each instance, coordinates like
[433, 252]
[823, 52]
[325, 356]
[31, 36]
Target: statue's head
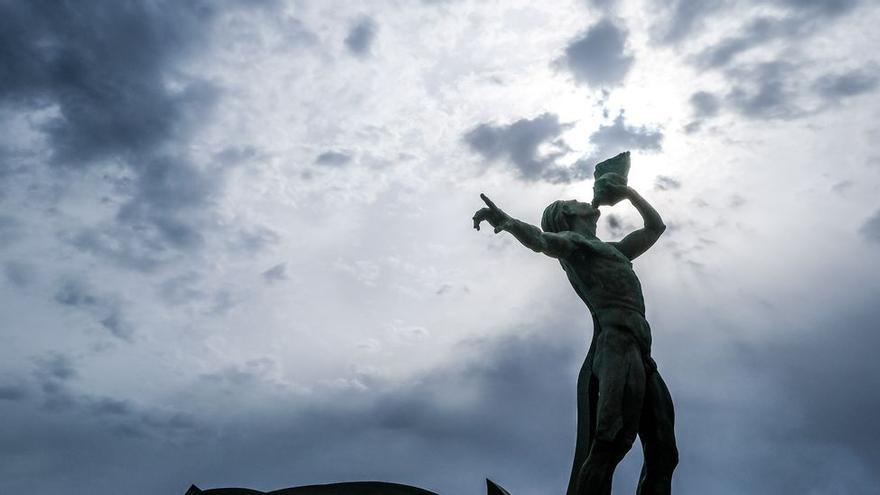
[571, 215]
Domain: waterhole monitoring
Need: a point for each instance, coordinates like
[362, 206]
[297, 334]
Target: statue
[620, 393]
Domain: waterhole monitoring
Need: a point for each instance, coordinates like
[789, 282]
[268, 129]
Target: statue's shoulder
[593, 246]
[583, 244]
[578, 238]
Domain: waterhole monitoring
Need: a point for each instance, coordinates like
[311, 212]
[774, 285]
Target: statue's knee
[666, 458]
[613, 450]
[673, 457]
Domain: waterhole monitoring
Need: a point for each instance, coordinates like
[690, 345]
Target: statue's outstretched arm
[549, 243]
[636, 243]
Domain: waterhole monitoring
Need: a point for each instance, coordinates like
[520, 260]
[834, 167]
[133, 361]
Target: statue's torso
[604, 279]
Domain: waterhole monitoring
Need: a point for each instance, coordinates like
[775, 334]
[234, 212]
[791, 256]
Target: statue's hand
[491, 214]
[609, 190]
[618, 191]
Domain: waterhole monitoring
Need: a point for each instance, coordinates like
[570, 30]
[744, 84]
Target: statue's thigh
[620, 372]
[658, 413]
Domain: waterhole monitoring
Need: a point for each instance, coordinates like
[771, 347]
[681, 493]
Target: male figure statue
[620, 394]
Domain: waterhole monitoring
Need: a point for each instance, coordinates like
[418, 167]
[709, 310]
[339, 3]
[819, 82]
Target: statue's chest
[608, 277]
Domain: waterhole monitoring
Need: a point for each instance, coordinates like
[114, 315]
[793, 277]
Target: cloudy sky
[236, 247]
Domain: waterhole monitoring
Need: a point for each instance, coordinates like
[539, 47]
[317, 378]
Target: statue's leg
[658, 439]
[620, 373]
[587, 398]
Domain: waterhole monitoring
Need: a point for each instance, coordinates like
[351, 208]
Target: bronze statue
[620, 394]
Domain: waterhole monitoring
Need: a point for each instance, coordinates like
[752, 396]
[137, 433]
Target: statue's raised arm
[639, 241]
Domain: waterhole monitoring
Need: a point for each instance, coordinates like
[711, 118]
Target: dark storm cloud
[52, 374]
[74, 293]
[333, 158]
[76, 439]
[611, 139]
[705, 105]
[102, 63]
[766, 91]
[842, 187]
[666, 183]
[55, 367]
[165, 196]
[254, 238]
[870, 230]
[18, 274]
[106, 67]
[445, 430]
[182, 289]
[757, 32]
[802, 19]
[620, 135]
[253, 373]
[106, 309]
[10, 230]
[822, 7]
[829, 399]
[116, 243]
[55, 382]
[599, 57]
[235, 155]
[832, 396]
[504, 409]
[834, 87]
[189, 289]
[165, 214]
[12, 392]
[602, 4]
[775, 89]
[678, 19]
[617, 227]
[361, 36]
[54, 388]
[519, 142]
[276, 274]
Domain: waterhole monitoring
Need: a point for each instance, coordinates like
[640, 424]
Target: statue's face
[575, 207]
[584, 211]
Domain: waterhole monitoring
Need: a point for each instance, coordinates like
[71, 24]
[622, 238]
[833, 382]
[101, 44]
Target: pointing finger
[488, 201]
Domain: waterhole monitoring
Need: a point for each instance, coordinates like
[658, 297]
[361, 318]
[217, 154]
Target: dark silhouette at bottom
[350, 488]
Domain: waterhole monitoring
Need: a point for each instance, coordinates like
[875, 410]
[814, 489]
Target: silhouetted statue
[620, 394]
